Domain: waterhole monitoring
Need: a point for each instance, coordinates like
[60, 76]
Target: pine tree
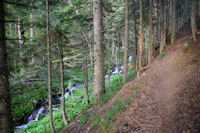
[5, 109]
[49, 68]
[99, 74]
[193, 20]
[126, 42]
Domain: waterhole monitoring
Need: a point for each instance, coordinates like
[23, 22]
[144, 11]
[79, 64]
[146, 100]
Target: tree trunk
[126, 42]
[141, 38]
[85, 72]
[173, 22]
[49, 68]
[99, 73]
[5, 108]
[155, 22]
[109, 60]
[150, 33]
[163, 26]
[91, 50]
[134, 42]
[60, 49]
[117, 54]
[193, 20]
[64, 115]
[31, 23]
[21, 43]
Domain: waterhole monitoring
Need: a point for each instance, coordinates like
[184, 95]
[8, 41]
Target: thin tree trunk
[193, 20]
[109, 60]
[64, 115]
[155, 22]
[60, 49]
[163, 26]
[141, 38]
[116, 57]
[31, 23]
[49, 69]
[21, 43]
[91, 50]
[150, 33]
[5, 110]
[86, 75]
[134, 42]
[99, 73]
[126, 42]
[167, 18]
[173, 22]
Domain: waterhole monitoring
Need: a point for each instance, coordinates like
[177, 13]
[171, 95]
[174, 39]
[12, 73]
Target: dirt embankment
[168, 98]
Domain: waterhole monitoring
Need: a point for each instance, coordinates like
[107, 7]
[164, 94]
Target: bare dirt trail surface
[167, 98]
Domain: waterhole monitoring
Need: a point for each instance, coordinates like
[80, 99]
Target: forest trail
[168, 96]
[167, 99]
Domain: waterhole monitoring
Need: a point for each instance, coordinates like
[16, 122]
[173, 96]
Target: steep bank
[167, 97]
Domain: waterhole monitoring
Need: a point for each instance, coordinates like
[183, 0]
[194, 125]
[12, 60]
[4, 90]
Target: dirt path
[168, 98]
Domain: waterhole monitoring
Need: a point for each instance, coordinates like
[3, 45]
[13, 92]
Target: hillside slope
[167, 98]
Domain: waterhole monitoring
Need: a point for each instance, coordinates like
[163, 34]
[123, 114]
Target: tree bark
[49, 68]
[126, 42]
[141, 38]
[163, 26]
[117, 54]
[109, 59]
[99, 73]
[5, 103]
[155, 22]
[31, 23]
[193, 20]
[173, 22]
[85, 73]
[150, 33]
[60, 49]
[64, 114]
[21, 43]
[134, 42]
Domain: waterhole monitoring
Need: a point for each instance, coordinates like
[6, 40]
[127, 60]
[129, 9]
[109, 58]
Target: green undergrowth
[74, 106]
[21, 93]
[105, 120]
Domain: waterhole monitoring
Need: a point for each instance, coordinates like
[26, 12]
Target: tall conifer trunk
[141, 38]
[193, 20]
[99, 73]
[150, 33]
[49, 68]
[173, 22]
[163, 26]
[126, 42]
[5, 107]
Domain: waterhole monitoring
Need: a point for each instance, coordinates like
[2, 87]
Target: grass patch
[106, 119]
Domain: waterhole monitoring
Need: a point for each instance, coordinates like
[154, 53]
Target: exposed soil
[167, 99]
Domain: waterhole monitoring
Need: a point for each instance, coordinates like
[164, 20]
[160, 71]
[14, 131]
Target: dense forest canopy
[83, 48]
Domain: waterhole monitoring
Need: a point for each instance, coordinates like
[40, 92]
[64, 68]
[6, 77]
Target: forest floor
[167, 99]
